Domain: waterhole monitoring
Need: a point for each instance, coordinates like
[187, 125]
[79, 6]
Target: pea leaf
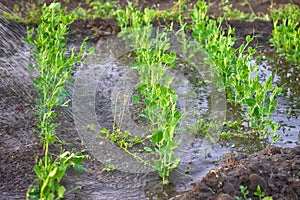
[53, 172]
[157, 137]
[79, 168]
[61, 191]
[148, 149]
[135, 98]
[55, 6]
[250, 102]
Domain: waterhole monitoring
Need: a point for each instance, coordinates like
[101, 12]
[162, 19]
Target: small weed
[205, 128]
[233, 14]
[123, 139]
[267, 198]
[259, 193]
[91, 127]
[109, 167]
[224, 135]
[244, 190]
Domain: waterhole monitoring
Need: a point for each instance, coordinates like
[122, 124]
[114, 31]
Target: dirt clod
[256, 180]
[224, 197]
[228, 188]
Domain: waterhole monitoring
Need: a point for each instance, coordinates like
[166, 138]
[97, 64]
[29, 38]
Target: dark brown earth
[276, 170]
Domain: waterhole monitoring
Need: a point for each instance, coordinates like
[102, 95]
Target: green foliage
[244, 190]
[151, 63]
[238, 73]
[55, 68]
[235, 14]
[25, 13]
[50, 175]
[204, 128]
[153, 58]
[30, 12]
[259, 193]
[48, 43]
[239, 76]
[286, 32]
[108, 166]
[267, 198]
[176, 12]
[96, 9]
[164, 117]
[123, 139]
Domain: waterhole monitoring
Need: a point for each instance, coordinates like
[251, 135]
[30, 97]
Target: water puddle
[288, 109]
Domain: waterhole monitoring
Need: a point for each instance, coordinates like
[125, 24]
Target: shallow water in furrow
[287, 113]
[16, 89]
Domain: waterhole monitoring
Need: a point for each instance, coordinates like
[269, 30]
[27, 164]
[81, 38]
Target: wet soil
[275, 169]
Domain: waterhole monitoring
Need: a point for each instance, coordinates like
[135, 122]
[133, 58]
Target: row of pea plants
[48, 44]
[153, 59]
[240, 77]
[152, 62]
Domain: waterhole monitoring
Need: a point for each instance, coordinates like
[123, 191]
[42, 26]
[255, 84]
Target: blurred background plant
[30, 12]
[286, 32]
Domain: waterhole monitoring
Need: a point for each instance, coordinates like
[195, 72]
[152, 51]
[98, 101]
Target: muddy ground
[276, 170]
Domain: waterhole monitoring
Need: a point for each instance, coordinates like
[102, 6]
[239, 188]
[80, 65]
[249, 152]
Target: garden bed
[275, 169]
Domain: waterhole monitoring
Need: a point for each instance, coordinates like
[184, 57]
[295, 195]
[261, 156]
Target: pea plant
[48, 43]
[159, 98]
[286, 32]
[240, 78]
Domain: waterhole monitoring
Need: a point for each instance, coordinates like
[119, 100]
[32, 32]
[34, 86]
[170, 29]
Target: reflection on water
[288, 109]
